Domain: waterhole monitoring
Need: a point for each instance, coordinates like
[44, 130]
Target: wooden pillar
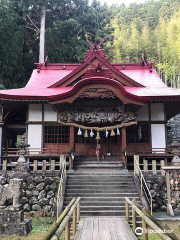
[123, 147]
[72, 145]
[72, 140]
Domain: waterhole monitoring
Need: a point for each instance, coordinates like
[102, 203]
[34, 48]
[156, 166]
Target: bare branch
[31, 28]
[33, 22]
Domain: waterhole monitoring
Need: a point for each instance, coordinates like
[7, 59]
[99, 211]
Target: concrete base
[12, 223]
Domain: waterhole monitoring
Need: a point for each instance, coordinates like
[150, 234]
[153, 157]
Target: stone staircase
[90, 163]
[102, 187]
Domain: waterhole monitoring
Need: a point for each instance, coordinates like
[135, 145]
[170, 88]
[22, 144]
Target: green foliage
[153, 26]
[68, 24]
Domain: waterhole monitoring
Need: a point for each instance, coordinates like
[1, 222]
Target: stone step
[96, 191]
[100, 199]
[104, 208]
[102, 195]
[118, 174]
[101, 203]
[103, 177]
[98, 166]
[112, 180]
[93, 188]
[98, 183]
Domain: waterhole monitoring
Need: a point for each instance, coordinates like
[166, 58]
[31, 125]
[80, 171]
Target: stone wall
[38, 193]
[158, 189]
[174, 128]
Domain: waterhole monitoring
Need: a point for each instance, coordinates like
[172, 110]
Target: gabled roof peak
[95, 50]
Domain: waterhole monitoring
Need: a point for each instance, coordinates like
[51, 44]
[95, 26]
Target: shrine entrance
[107, 144]
[97, 123]
[97, 111]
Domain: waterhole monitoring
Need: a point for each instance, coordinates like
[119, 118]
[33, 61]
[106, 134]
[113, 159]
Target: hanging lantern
[107, 133]
[91, 133]
[118, 132]
[79, 132]
[98, 136]
[139, 132]
[112, 133]
[86, 134]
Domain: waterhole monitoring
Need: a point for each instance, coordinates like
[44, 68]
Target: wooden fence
[44, 167]
[152, 167]
[150, 151]
[14, 152]
[148, 222]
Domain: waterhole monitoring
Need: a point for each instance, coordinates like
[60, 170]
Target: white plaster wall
[35, 135]
[158, 135]
[143, 114]
[157, 112]
[35, 112]
[49, 113]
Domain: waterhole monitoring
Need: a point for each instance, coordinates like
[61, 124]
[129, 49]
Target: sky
[126, 2]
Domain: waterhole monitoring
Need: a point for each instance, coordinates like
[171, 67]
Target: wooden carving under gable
[97, 71]
[97, 93]
[97, 114]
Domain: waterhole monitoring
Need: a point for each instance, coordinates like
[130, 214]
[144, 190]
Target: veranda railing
[36, 166]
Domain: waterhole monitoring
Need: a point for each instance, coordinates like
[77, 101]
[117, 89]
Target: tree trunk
[42, 35]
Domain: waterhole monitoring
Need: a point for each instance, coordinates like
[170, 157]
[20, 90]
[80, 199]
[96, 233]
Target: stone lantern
[22, 145]
[21, 170]
[175, 146]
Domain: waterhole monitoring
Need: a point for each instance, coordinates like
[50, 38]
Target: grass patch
[174, 225]
[40, 227]
[153, 236]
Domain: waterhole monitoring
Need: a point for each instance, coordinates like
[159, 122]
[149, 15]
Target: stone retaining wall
[158, 189]
[38, 193]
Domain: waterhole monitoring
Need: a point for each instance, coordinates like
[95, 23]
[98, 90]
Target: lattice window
[56, 134]
[135, 134]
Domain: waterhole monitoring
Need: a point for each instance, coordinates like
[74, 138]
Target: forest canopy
[153, 26]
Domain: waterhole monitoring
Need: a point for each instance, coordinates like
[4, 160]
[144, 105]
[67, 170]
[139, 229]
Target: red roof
[44, 83]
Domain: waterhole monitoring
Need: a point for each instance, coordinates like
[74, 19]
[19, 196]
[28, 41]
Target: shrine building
[118, 108]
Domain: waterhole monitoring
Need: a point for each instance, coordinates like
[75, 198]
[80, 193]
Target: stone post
[12, 217]
[22, 168]
[175, 166]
